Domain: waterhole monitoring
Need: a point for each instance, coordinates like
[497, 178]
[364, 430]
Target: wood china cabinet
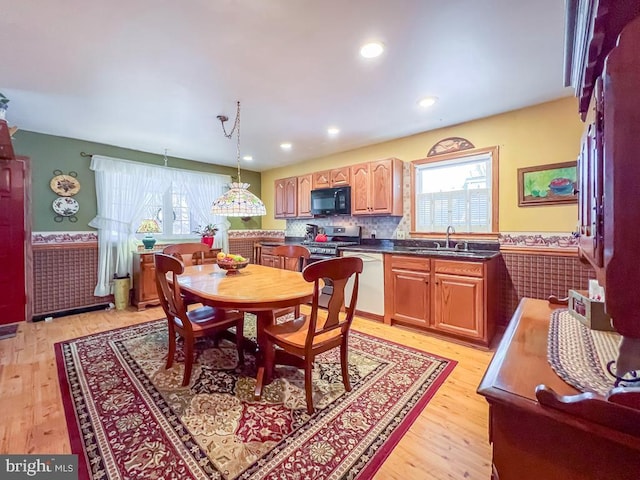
[376, 188]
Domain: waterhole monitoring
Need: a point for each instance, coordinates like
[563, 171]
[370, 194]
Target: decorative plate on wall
[65, 185]
[65, 206]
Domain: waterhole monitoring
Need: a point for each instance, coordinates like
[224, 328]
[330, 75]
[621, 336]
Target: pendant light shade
[238, 201]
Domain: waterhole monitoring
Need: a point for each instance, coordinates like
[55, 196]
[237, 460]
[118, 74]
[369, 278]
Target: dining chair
[309, 335]
[190, 324]
[290, 257]
[189, 253]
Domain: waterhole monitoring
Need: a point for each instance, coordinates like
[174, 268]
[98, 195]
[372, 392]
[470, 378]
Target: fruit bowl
[232, 266]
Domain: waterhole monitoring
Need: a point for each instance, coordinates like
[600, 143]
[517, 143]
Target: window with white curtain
[456, 190]
[128, 192]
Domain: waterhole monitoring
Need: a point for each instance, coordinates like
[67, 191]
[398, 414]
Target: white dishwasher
[371, 289]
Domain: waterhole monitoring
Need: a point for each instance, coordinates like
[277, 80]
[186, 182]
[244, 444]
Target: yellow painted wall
[538, 135]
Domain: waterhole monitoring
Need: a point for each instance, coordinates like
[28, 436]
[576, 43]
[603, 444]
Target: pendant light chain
[236, 126]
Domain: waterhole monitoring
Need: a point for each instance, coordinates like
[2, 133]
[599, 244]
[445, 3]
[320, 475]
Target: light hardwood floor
[448, 441]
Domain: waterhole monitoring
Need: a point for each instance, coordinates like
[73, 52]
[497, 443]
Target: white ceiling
[154, 74]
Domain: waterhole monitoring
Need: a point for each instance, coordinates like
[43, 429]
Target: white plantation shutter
[463, 201]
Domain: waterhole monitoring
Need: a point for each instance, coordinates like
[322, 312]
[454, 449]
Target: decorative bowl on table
[232, 266]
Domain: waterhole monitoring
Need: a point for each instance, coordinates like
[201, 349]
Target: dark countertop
[471, 255]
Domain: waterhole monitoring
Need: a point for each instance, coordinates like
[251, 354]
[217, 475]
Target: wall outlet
[400, 234]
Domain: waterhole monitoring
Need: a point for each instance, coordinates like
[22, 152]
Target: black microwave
[331, 201]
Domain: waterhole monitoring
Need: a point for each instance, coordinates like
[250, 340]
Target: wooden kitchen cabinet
[338, 177]
[267, 258]
[454, 298]
[144, 276]
[407, 290]
[286, 201]
[458, 300]
[144, 280]
[304, 195]
[376, 188]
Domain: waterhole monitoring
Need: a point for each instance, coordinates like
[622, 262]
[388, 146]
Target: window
[172, 212]
[457, 189]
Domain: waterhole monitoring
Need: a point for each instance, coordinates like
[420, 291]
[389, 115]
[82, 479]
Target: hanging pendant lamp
[238, 201]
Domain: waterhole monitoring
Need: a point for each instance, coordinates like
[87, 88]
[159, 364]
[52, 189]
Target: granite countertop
[485, 252]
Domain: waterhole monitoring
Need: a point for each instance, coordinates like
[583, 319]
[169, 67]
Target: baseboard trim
[73, 311]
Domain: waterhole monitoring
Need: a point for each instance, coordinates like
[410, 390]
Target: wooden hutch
[540, 427]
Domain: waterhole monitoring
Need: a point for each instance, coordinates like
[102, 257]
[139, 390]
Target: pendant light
[238, 201]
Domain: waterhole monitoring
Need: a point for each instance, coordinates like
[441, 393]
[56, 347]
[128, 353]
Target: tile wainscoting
[65, 267]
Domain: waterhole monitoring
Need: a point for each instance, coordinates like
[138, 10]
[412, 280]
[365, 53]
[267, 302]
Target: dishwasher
[371, 286]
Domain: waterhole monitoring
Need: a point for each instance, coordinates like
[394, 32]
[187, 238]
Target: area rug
[129, 418]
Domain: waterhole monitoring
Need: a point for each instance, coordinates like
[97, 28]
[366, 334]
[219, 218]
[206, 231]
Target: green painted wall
[49, 153]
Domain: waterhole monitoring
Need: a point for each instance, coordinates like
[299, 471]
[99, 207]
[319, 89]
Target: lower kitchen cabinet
[458, 304]
[407, 290]
[266, 257]
[449, 297]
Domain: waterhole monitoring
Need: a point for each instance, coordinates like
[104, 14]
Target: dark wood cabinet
[605, 70]
[376, 188]
[533, 441]
[267, 258]
[590, 181]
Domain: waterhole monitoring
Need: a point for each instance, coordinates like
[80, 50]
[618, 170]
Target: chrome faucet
[450, 230]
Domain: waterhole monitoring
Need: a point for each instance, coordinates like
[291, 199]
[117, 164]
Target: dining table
[255, 289]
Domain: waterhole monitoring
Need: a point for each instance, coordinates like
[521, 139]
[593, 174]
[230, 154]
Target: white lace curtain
[122, 189]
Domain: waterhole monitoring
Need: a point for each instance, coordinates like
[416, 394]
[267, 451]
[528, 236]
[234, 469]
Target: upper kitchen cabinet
[338, 177]
[286, 204]
[376, 188]
[304, 195]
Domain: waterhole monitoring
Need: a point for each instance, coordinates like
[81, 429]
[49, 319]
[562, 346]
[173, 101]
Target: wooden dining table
[256, 289]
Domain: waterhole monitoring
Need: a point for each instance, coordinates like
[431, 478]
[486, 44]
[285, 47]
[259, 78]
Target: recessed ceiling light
[248, 158]
[333, 130]
[427, 101]
[372, 50]
[286, 146]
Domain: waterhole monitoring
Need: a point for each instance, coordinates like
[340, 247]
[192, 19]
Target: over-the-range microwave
[331, 201]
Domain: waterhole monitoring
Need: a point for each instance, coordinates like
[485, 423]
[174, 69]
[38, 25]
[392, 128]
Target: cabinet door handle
[576, 191]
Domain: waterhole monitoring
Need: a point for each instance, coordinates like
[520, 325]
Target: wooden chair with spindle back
[291, 257]
[193, 324]
[309, 335]
[188, 253]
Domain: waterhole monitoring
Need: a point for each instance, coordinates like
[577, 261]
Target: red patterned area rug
[129, 418]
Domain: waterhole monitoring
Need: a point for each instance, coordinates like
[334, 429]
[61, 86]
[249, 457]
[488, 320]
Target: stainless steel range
[336, 237]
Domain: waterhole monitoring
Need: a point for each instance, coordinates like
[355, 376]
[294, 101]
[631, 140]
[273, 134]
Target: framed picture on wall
[547, 184]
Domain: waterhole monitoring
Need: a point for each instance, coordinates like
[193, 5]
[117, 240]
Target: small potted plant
[207, 232]
[4, 104]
